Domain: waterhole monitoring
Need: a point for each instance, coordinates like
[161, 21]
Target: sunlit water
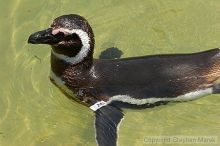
[33, 112]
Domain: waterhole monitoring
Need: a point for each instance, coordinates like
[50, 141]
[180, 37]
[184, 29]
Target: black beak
[43, 37]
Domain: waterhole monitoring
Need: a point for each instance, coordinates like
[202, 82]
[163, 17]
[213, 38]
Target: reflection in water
[111, 53]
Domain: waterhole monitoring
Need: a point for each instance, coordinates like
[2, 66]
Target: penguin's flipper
[107, 119]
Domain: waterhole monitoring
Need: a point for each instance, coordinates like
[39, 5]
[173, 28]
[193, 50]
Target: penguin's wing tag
[98, 105]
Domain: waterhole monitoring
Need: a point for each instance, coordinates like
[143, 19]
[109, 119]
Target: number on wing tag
[98, 105]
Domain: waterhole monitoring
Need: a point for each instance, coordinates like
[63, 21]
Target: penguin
[109, 85]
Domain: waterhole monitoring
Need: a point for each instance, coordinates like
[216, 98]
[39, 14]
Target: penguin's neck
[60, 65]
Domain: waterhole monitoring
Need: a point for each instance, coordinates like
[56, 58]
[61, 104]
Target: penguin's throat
[59, 64]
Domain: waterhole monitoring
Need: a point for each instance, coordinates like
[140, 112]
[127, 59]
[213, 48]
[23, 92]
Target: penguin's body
[138, 81]
[158, 76]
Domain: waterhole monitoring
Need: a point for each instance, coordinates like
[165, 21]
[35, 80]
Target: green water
[33, 112]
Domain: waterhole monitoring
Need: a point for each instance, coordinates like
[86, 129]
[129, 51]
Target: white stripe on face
[85, 45]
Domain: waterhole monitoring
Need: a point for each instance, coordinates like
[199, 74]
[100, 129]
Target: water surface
[33, 112]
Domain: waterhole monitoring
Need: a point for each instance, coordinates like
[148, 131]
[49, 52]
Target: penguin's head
[70, 37]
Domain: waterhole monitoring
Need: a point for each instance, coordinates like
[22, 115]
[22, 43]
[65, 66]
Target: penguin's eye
[72, 37]
[60, 35]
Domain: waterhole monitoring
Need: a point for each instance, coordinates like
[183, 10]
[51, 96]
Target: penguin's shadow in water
[111, 53]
